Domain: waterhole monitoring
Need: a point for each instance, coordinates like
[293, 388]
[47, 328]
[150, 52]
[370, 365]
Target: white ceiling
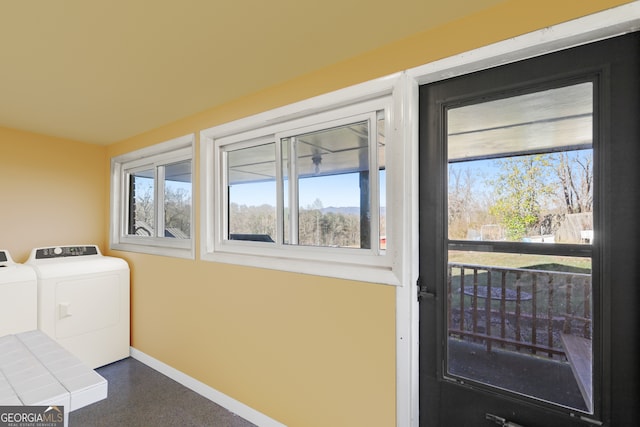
[545, 121]
[101, 72]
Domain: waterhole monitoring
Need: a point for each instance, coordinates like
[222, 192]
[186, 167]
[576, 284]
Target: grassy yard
[535, 262]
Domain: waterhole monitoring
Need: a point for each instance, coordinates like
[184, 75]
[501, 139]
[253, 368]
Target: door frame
[610, 23]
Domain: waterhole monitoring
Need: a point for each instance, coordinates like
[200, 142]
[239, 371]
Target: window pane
[142, 203]
[177, 200]
[521, 168]
[251, 176]
[332, 169]
[528, 334]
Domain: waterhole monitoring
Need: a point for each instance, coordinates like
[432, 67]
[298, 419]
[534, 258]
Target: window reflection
[177, 200]
[521, 168]
[252, 193]
[311, 188]
[142, 203]
[520, 171]
[335, 159]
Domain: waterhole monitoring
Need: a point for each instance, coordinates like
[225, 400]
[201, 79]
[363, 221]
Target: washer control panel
[66, 251]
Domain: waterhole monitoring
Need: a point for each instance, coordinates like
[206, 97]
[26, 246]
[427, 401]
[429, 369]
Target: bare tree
[462, 201]
[575, 174]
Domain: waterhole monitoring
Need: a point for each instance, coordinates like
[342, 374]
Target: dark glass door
[525, 196]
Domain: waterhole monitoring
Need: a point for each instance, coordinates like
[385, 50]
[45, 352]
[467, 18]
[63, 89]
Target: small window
[521, 168]
[328, 187]
[251, 186]
[306, 194]
[325, 187]
[323, 177]
[152, 203]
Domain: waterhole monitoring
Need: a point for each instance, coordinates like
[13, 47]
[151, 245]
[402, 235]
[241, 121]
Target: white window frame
[350, 105]
[173, 151]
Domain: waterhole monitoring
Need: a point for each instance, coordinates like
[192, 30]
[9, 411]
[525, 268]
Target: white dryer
[83, 301]
[18, 296]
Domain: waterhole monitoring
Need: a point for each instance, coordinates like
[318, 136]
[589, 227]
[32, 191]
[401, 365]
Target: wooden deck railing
[518, 309]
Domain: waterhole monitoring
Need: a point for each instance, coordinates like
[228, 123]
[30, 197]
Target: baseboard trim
[210, 393]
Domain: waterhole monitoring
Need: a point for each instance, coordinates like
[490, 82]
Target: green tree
[521, 188]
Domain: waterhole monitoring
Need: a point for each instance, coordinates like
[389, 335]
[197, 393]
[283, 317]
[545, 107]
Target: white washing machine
[18, 296]
[83, 301]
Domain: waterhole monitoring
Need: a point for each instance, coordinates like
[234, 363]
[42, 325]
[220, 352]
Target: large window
[323, 177]
[521, 168]
[520, 233]
[152, 199]
[303, 193]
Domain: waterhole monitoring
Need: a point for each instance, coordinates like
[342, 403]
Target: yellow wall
[52, 192]
[307, 351]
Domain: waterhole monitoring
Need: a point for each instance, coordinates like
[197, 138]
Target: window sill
[372, 272]
[186, 253]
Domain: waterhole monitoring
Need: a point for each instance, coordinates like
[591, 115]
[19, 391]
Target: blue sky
[335, 190]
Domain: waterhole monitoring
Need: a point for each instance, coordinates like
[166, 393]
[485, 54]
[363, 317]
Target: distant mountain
[348, 210]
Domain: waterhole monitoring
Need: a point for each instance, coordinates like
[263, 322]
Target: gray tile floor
[141, 396]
